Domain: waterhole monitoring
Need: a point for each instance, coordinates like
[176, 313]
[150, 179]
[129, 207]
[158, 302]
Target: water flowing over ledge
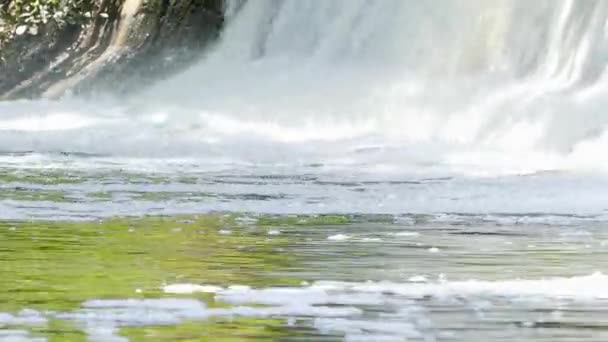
[467, 86]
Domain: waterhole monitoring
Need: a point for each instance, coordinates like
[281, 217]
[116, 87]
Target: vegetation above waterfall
[18, 17]
[50, 47]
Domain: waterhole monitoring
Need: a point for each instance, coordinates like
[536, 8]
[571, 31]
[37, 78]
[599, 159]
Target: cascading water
[397, 89]
[485, 80]
[474, 80]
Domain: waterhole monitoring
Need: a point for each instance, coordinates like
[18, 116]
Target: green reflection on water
[243, 329]
[19, 194]
[59, 265]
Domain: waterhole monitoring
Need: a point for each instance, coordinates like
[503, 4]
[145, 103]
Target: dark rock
[113, 52]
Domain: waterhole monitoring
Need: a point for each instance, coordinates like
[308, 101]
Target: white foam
[101, 319]
[10, 335]
[299, 310]
[24, 317]
[418, 279]
[163, 303]
[355, 330]
[336, 307]
[53, 122]
[590, 287]
[239, 288]
[339, 237]
[409, 234]
[290, 297]
[136, 312]
[190, 288]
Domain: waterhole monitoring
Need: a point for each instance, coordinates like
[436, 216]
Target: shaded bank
[117, 44]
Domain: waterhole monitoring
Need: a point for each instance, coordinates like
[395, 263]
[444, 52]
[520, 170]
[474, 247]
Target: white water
[504, 85]
[408, 310]
[366, 89]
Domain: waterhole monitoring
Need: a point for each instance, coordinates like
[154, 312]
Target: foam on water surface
[334, 307]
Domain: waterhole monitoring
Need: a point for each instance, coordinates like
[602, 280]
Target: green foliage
[18, 17]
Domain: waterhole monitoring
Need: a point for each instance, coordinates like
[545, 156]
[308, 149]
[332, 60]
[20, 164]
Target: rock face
[124, 43]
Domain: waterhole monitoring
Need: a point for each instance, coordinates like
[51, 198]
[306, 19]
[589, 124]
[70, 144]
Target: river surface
[102, 250]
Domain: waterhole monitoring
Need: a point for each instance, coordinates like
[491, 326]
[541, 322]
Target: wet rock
[116, 48]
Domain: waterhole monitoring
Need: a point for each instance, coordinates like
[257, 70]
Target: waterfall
[516, 84]
[497, 73]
